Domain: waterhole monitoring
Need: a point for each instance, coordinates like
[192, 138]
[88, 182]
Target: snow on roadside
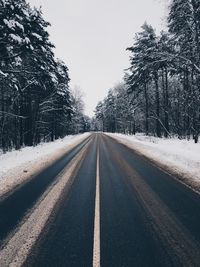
[180, 156]
[18, 165]
[18, 247]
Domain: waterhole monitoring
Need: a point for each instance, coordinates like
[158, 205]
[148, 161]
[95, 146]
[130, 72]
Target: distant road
[119, 211]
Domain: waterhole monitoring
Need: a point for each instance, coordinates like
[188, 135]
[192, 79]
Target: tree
[145, 63]
[35, 100]
[184, 25]
[161, 91]
[80, 122]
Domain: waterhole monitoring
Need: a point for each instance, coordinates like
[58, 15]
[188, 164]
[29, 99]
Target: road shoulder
[24, 172]
[19, 245]
[174, 170]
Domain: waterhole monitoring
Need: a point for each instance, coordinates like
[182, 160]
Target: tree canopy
[160, 92]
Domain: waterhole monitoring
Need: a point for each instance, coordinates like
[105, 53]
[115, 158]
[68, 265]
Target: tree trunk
[3, 144]
[166, 103]
[146, 108]
[158, 130]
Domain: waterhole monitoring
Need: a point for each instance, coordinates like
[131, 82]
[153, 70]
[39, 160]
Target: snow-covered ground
[19, 246]
[18, 165]
[180, 156]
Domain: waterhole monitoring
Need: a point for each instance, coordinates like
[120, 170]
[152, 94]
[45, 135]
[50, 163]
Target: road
[15, 205]
[121, 210]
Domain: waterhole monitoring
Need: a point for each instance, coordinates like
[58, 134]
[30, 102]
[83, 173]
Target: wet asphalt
[15, 206]
[147, 218]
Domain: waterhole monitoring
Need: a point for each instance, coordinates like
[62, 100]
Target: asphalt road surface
[121, 210]
[14, 206]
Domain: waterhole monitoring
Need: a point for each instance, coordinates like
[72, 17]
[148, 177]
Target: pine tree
[35, 100]
[184, 26]
[145, 63]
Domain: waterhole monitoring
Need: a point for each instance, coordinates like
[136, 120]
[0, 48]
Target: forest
[160, 93]
[36, 102]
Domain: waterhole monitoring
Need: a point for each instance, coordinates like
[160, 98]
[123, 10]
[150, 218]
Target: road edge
[179, 176]
[37, 168]
[19, 246]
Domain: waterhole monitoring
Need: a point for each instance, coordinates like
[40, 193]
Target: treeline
[36, 103]
[160, 94]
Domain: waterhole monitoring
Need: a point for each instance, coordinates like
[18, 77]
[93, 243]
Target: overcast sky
[91, 36]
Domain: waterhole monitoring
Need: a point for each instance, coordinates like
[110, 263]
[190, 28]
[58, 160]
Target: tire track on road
[14, 207]
[177, 240]
[17, 249]
[68, 237]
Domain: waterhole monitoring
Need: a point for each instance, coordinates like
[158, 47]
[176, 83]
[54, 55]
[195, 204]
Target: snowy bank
[179, 157]
[19, 165]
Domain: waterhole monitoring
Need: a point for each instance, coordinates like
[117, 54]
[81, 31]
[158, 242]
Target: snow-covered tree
[35, 101]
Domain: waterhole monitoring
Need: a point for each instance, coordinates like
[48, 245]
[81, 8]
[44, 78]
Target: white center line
[96, 244]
